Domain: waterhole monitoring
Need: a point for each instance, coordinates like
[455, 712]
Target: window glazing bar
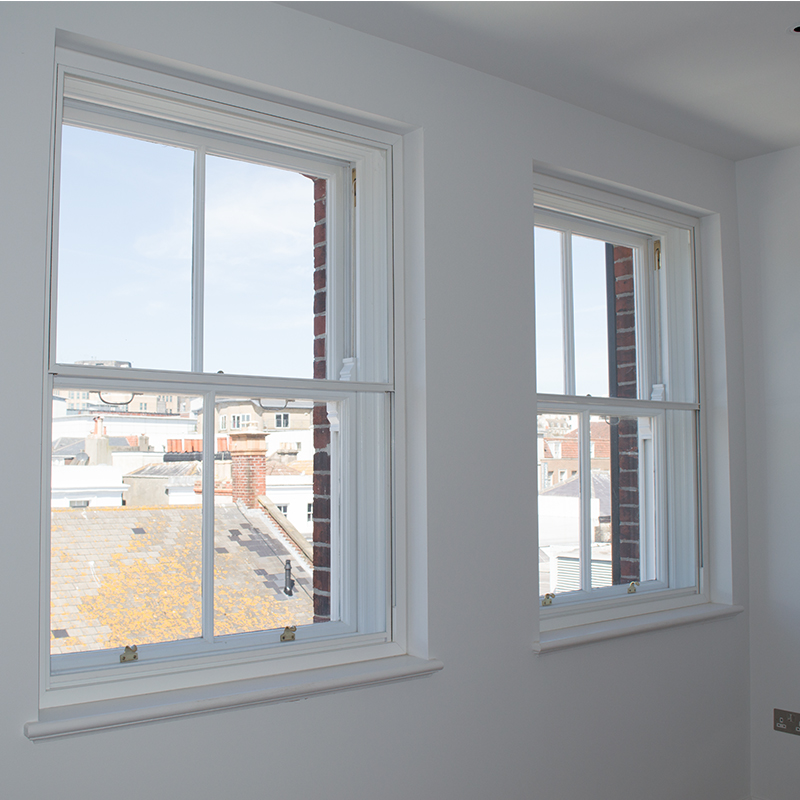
[599, 405]
[122, 378]
[198, 257]
[655, 277]
[585, 470]
[567, 314]
[207, 524]
[699, 510]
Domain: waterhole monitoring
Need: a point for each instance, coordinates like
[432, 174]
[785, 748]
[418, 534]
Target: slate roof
[70, 446]
[168, 469]
[131, 575]
[277, 468]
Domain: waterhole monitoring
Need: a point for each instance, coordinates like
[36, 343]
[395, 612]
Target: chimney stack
[248, 468]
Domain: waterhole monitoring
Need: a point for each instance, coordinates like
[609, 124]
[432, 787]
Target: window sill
[599, 631]
[90, 717]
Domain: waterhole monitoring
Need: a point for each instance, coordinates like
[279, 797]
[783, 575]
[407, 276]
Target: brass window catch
[547, 600]
[288, 633]
[129, 654]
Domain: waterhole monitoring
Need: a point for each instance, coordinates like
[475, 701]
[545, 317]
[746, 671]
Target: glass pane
[268, 480]
[125, 251]
[259, 269]
[559, 503]
[623, 521]
[548, 246]
[590, 313]
[126, 519]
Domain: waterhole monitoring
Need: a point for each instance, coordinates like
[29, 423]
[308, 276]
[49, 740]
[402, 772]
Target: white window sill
[612, 629]
[90, 717]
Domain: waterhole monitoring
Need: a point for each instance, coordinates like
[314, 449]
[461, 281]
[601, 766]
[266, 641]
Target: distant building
[559, 458]
[111, 457]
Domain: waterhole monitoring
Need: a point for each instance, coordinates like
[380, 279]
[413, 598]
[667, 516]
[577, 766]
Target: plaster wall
[769, 204]
[663, 714]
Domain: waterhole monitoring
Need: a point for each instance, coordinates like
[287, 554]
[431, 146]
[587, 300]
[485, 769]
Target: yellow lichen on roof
[122, 579]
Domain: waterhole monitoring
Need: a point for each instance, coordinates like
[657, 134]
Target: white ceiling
[723, 77]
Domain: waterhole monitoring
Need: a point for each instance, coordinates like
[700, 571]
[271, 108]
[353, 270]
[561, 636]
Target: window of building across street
[618, 403]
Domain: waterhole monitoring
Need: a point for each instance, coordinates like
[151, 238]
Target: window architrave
[336, 661]
[587, 209]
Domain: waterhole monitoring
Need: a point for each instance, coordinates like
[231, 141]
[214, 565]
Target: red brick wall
[322, 514]
[626, 538]
[248, 467]
[625, 528]
[320, 424]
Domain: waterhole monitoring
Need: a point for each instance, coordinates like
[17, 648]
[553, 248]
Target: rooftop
[123, 576]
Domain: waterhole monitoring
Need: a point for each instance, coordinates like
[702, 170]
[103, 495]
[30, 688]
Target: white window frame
[568, 620]
[282, 420]
[380, 634]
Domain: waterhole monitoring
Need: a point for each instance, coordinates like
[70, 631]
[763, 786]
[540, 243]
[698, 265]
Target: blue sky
[589, 314]
[125, 258]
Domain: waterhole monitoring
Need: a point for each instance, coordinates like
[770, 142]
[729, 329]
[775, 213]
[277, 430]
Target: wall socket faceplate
[786, 721]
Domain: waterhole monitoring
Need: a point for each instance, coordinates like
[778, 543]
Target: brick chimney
[249, 459]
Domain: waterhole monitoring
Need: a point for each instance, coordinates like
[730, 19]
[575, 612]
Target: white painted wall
[296, 492]
[303, 436]
[663, 715]
[100, 484]
[769, 207]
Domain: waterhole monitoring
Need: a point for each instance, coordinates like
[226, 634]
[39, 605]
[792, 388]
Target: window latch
[547, 600]
[288, 633]
[632, 587]
[129, 654]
